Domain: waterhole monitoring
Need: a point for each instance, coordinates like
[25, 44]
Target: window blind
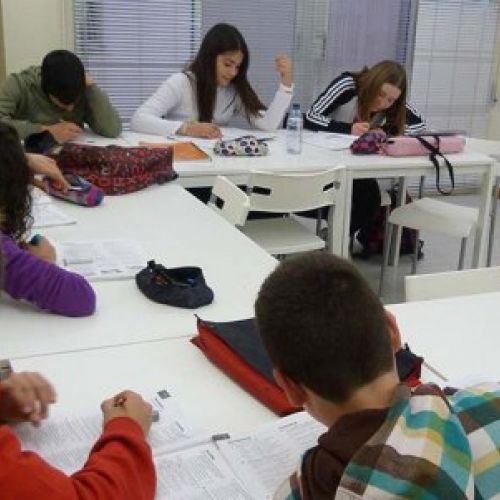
[364, 32]
[131, 46]
[268, 29]
[454, 68]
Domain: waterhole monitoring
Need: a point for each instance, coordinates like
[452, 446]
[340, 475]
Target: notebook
[190, 463]
[183, 151]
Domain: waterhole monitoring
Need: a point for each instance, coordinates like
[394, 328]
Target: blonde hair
[369, 82]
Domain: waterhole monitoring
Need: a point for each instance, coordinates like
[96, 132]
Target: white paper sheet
[197, 474]
[65, 442]
[327, 140]
[265, 458]
[49, 215]
[102, 259]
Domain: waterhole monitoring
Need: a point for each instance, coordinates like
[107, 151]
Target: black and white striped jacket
[336, 108]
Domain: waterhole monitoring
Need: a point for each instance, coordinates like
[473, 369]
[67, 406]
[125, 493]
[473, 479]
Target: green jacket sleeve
[100, 114]
[10, 99]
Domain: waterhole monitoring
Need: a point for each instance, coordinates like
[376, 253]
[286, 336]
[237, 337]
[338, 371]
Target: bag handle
[434, 152]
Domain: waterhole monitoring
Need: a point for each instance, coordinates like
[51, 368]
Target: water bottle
[294, 130]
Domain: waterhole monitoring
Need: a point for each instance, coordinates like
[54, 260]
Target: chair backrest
[272, 192]
[229, 201]
[452, 284]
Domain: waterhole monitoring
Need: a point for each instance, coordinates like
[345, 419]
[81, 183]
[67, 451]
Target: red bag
[230, 362]
[116, 169]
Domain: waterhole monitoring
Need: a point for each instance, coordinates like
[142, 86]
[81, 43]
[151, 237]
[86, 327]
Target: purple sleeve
[46, 285]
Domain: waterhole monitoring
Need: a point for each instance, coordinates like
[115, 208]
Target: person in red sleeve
[119, 467]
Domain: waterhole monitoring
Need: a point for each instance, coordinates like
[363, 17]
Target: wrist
[184, 128]
[287, 82]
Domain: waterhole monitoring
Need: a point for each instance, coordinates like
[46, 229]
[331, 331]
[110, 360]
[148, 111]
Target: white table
[456, 336]
[84, 378]
[312, 158]
[210, 398]
[175, 229]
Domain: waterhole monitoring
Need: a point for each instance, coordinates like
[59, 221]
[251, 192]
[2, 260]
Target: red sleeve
[120, 466]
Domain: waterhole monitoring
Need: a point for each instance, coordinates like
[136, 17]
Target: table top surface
[206, 395]
[458, 336]
[312, 158]
[175, 229]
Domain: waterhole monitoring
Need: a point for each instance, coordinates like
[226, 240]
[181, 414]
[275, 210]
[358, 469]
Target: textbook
[98, 260]
[190, 463]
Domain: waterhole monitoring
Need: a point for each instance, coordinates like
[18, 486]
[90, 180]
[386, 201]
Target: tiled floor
[440, 254]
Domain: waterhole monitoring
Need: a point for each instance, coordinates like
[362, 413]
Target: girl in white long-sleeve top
[212, 90]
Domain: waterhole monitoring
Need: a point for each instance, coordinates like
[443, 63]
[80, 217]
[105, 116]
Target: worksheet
[99, 260]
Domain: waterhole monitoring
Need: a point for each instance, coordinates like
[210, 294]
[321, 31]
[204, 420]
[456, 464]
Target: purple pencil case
[81, 191]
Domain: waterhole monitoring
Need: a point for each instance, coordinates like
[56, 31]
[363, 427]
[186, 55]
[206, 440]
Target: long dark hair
[219, 39]
[370, 81]
[15, 180]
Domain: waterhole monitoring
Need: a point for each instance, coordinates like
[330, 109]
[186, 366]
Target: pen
[120, 400]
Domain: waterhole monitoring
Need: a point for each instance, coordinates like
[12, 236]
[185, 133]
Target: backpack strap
[434, 153]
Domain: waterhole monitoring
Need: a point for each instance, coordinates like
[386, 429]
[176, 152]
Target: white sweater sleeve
[149, 119]
[271, 118]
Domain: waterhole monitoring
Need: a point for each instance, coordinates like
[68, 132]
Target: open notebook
[190, 463]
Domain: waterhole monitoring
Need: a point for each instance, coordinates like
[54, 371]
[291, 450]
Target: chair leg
[461, 259]
[415, 253]
[318, 222]
[493, 219]
[385, 255]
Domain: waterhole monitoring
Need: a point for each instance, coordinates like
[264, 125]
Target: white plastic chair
[277, 193]
[452, 284]
[431, 215]
[491, 148]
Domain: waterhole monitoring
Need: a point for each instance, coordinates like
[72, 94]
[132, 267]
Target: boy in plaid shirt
[330, 340]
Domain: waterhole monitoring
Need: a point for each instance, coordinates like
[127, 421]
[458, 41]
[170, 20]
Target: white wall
[32, 28]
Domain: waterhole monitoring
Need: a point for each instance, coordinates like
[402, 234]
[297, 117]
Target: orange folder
[183, 151]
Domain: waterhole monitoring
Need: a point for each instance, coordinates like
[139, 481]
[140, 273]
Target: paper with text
[65, 442]
[196, 474]
[49, 215]
[264, 458]
[102, 259]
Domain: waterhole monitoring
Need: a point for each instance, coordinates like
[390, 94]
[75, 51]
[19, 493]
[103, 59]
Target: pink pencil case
[411, 146]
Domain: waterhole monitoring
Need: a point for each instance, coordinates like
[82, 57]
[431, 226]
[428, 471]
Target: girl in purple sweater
[30, 272]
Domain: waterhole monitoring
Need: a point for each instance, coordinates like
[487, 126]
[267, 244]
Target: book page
[199, 473]
[65, 442]
[48, 215]
[265, 458]
[102, 259]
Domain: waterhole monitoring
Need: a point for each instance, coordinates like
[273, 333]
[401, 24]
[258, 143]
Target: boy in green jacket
[59, 97]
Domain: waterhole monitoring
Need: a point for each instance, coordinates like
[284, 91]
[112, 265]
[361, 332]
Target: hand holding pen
[42, 248]
[128, 404]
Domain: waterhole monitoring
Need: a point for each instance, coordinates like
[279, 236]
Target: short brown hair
[323, 326]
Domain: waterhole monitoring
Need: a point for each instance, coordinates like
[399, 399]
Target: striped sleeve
[415, 124]
[339, 92]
